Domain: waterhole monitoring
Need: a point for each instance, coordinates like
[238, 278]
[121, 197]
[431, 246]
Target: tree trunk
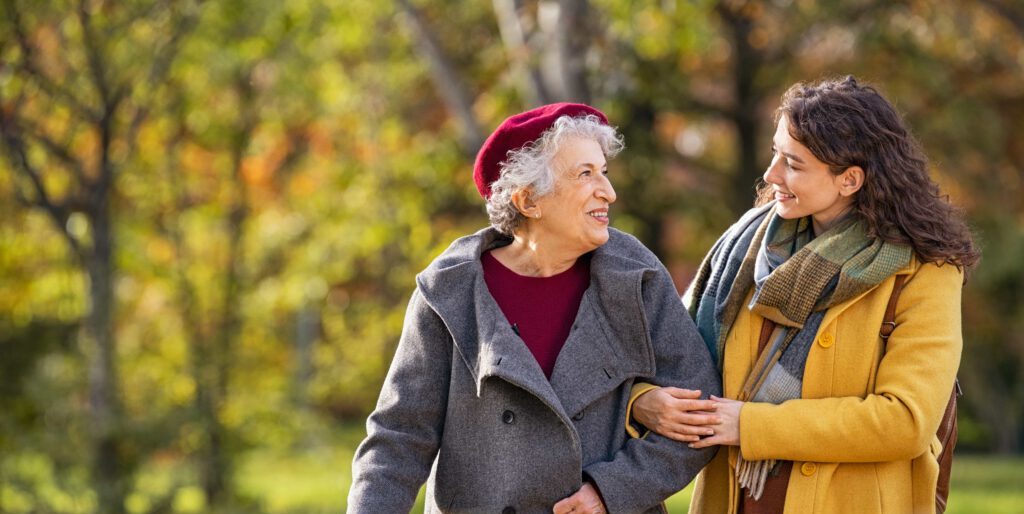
[307, 324]
[572, 38]
[746, 64]
[109, 475]
[519, 50]
[218, 469]
[447, 81]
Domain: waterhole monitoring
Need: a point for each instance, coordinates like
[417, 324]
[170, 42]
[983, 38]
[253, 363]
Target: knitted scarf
[795, 277]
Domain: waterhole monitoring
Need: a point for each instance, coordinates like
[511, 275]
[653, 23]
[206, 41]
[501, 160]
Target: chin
[788, 214]
[599, 240]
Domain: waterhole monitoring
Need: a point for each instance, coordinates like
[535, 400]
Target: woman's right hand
[675, 413]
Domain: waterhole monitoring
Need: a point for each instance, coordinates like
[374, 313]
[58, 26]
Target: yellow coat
[862, 435]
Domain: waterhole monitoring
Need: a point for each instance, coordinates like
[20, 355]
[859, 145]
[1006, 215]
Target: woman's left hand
[585, 501]
[727, 430]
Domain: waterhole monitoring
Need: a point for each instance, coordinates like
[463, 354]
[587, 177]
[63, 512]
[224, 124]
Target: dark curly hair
[844, 123]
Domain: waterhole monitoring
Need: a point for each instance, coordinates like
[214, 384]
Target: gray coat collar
[601, 351]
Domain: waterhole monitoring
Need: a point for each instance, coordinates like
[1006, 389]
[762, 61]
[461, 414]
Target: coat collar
[833, 312]
[601, 350]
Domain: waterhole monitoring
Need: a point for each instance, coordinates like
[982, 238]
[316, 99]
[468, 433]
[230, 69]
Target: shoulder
[931, 274]
[461, 250]
[627, 249]
[461, 256]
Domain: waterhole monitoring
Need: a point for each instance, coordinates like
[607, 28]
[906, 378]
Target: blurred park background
[211, 212]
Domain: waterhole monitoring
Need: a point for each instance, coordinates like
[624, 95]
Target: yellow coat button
[808, 468]
[826, 340]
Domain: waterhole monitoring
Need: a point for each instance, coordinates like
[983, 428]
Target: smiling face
[805, 186]
[575, 214]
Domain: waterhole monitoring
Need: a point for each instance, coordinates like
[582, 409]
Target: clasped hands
[680, 414]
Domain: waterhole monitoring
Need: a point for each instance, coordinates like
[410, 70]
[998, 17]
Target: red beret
[514, 133]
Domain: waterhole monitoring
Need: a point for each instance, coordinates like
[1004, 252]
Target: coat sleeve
[645, 472]
[404, 431]
[899, 419]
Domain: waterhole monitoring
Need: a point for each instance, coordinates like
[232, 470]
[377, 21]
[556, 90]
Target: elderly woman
[522, 341]
[834, 310]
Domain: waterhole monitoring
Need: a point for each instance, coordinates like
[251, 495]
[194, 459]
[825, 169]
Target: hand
[727, 430]
[676, 413]
[585, 501]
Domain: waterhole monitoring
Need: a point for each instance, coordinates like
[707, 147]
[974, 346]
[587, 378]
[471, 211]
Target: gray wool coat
[466, 403]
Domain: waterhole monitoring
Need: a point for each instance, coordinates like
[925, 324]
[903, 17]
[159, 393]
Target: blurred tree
[69, 120]
[274, 175]
[223, 167]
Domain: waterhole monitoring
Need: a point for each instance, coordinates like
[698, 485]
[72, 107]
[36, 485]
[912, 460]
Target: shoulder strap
[889, 321]
[947, 431]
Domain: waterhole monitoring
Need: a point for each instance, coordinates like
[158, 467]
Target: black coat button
[508, 510]
[508, 417]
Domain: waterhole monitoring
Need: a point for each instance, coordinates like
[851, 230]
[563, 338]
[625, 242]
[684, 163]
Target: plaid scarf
[796, 277]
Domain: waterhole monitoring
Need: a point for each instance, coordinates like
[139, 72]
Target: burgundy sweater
[540, 309]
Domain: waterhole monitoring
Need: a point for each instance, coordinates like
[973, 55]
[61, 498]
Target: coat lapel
[834, 311]
[600, 353]
[453, 285]
[500, 353]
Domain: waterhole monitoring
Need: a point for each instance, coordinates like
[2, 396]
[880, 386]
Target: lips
[599, 215]
[782, 197]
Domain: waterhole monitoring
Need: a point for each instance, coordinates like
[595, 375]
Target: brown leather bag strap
[947, 430]
[766, 333]
[889, 321]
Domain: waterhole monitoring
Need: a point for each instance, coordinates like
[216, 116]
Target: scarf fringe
[752, 475]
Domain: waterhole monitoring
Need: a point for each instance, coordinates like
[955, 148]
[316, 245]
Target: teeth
[599, 214]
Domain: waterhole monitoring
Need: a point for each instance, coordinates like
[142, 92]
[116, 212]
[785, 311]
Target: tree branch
[18, 157]
[57, 150]
[157, 72]
[571, 39]
[93, 57]
[447, 81]
[516, 40]
[28, 65]
[1016, 18]
[860, 14]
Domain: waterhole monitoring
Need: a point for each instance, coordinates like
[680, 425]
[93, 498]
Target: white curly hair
[530, 166]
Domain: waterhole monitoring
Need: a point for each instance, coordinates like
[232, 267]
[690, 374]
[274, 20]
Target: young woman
[825, 416]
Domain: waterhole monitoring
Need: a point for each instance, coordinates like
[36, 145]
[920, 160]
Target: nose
[772, 174]
[606, 191]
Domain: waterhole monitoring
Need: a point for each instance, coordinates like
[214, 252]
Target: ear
[851, 180]
[523, 200]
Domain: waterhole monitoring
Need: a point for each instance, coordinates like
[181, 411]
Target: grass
[316, 481]
[981, 484]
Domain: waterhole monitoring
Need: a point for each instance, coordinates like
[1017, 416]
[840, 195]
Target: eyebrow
[794, 157]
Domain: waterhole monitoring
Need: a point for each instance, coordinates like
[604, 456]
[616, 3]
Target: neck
[529, 256]
[820, 226]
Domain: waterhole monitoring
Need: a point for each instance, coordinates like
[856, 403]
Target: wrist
[587, 480]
